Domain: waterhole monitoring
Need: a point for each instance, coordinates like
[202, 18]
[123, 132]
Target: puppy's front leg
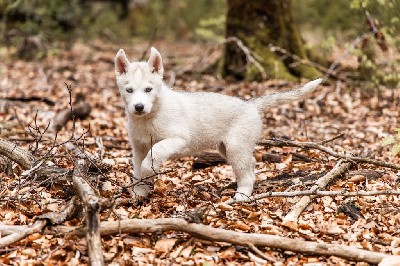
[139, 152]
[160, 152]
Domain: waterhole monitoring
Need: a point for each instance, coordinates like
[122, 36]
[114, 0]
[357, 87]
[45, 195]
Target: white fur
[176, 124]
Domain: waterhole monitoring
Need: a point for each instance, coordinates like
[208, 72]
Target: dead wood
[29, 99]
[351, 210]
[26, 160]
[301, 157]
[22, 233]
[271, 157]
[313, 145]
[80, 111]
[66, 214]
[6, 230]
[323, 193]
[22, 157]
[96, 165]
[208, 159]
[14, 233]
[366, 173]
[92, 203]
[222, 235]
[290, 219]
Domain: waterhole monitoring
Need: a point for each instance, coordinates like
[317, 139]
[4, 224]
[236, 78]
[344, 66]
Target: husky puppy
[163, 123]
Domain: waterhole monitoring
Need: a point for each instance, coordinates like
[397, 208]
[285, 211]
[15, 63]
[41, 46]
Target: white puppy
[163, 123]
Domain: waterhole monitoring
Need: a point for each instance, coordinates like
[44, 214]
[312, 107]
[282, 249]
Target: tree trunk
[259, 23]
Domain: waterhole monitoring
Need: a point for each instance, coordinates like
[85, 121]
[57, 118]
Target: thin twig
[260, 253]
[313, 145]
[250, 55]
[323, 193]
[290, 219]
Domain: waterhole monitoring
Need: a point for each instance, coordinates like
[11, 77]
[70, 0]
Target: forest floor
[365, 117]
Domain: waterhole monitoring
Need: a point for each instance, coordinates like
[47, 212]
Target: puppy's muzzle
[139, 108]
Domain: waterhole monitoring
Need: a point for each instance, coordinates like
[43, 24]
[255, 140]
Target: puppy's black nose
[139, 107]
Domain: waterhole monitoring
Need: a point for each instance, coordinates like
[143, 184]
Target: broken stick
[20, 234]
[92, 203]
[81, 111]
[290, 220]
[16, 154]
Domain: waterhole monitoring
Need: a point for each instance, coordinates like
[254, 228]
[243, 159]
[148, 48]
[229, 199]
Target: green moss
[307, 72]
[258, 25]
[273, 66]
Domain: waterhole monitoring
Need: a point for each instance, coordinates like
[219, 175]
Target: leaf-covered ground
[365, 116]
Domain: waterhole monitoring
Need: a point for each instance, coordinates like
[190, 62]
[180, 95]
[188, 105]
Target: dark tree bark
[259, 23]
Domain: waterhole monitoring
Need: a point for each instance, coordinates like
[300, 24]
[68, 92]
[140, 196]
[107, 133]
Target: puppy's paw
[141, 190]
[241, 197]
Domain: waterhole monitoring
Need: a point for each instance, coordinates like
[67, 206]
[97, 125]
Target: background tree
[258, 24]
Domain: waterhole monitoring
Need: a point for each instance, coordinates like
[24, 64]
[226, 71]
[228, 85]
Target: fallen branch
[20, 234]
[323, 193]
[16, 154]
[313, 145]
[260, 253]
[14, 233]
[81, 111]
[66, 214]
[92, 205]
[96, 165]
[6, 229]
[221, 235]
[207, 159]
[29, 99]
[290, 220]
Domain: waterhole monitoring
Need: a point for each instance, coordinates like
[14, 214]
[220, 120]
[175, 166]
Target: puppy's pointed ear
[155, 62]
[121, 63]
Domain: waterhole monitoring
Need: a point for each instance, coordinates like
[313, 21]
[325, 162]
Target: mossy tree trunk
[259, 23]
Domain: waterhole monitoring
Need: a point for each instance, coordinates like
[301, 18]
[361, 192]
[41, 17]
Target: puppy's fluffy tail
[276, 99]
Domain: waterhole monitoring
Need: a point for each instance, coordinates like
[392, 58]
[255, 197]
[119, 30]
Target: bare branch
[22, 157]
[323, 193]
[64, 215]
[81, 111]
[250, 55]
[221, 235]
[313, 145]
[260, 253]
[21, 234]
[92, 206]
[290, 220]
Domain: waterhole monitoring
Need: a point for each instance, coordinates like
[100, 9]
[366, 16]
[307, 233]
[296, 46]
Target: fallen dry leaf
[164, 245]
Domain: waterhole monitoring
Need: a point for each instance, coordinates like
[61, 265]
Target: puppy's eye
[129, 90]
[149, 89]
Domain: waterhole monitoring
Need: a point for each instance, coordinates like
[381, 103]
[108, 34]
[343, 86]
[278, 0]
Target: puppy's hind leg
[243, 163]
[239, 147]
[243, 167]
